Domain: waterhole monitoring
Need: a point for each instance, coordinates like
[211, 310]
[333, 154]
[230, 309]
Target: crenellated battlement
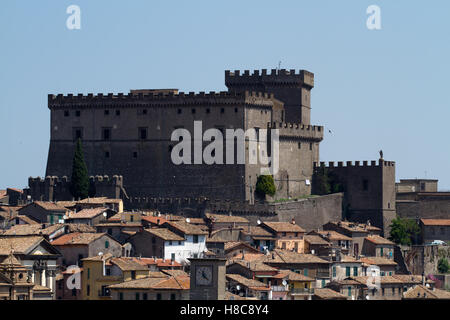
[158, 98]
[350, 164]
[302, 77]
[297, 130]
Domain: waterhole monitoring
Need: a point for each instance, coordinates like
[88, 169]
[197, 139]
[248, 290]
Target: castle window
[208, 110]
[117, 112]
[365, 184]
[106, 154]
[144, 111]
[236, 110]
[193, 111]
[299, 145]
[135, 154]
[106, 133]
[222, 110]
[179, 111]
[310, 146]
[66, 113]
[77, 133]
[78, 113]
[143, 133]
[106, 112]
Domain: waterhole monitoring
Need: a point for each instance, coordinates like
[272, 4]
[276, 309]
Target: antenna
[279, 65]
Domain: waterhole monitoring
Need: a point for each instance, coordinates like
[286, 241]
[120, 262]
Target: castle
[128, 137]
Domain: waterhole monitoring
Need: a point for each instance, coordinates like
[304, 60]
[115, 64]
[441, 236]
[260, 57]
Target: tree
[79, 186]
[443, 265]
[404, 231]
[265, 185]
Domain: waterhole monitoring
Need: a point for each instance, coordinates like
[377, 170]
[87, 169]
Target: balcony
[280, 288]
[301, 291]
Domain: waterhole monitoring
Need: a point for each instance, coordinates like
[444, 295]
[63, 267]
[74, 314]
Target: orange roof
[154, 220]
[47, 205]
[284, 227]
[76, 238]
[157, 262]
[436, 222]
[378, 240]
[87, 213]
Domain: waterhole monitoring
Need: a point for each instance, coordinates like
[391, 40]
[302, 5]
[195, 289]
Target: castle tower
[369, 190]
[293, 88]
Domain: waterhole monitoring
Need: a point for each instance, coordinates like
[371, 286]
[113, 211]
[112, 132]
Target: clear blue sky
[385, 89]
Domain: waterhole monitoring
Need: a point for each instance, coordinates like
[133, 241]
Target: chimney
[293, 221]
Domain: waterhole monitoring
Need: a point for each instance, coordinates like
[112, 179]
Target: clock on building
[203, 275]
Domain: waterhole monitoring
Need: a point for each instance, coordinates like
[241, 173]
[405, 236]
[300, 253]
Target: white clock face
[203, 276]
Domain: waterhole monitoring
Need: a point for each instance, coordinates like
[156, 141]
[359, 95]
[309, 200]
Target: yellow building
[289, 236]
[102, 271]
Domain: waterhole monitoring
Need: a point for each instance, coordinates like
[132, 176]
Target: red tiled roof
[76, 238]
[436, 222]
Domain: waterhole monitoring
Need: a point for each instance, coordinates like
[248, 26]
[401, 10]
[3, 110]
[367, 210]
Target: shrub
[265, 185]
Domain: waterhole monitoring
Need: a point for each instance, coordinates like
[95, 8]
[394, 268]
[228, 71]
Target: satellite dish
[238, 287]
[367, 297]
[100, 253]
[258, 222]
[284, 282]
[188, 220]
[105, 214]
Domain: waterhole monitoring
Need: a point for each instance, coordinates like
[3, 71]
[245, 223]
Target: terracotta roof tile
[87, 213]
[186, 228]
[222, 218]
[51, 206]
[316, 240]
[436, 222]
[378, 261]
[19, 244]
[77, 238]
[284, 227]
[326, 293]
[249, 283]
[379, 240]
[165, 234]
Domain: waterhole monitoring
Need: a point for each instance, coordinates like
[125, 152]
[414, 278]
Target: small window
[334, 272]
[117, 112]
[173, 296]
[382, 291]
[310, 146]
[107, 154]
[349, 292]
[180, 242]
[133, 275]
[66, 113]
[365, 184]
[235, 110]
[222, 110]
[108, 271]
[195, 238]
[77, 133]
[170, 243]
[305, 272]
[355, 271]
[144, 111]
[299, 145]
[135, 154]
[106, 112]
[179, 111]
[193, 111]
[78, 113]
[347, 271]
[143, 133]
[120, 295]
[137, 295]
[158, 296]
[88, 290]
[106, 133]
[144, 296]
[106, 244]
[208, 110]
